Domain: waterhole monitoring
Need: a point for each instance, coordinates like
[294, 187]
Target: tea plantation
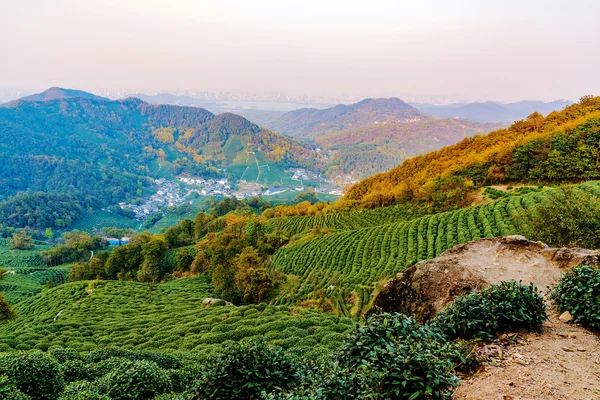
[346, 220]
[27, 273]
[367, 255]
[170, 316]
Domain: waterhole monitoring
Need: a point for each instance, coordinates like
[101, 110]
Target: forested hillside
[100, 152]
[379, 147]
[562, 147]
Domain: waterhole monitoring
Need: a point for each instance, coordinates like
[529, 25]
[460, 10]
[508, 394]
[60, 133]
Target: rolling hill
[104, 151]
[492, 111]
[379, 147]
[562, 147]
[311, 123]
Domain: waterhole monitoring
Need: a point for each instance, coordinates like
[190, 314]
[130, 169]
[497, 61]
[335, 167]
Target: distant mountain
[311, 123]
[371, 149]
[54, 93]
[492, 111]
[104, 151]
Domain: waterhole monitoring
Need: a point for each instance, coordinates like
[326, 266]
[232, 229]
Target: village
[184, 189]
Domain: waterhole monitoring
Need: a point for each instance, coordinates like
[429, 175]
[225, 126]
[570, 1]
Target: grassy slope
[169, 317]
[30, 273]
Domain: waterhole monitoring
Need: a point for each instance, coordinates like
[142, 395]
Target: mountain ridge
[54, 93]
[492, 111]
[310, 123]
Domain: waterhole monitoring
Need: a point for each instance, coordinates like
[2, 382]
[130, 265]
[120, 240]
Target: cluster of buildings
[208, 187]
[168, 194]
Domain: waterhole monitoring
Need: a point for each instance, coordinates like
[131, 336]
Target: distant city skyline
[452, 51]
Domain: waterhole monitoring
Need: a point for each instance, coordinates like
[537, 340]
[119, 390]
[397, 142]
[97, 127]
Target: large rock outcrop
[429, 286]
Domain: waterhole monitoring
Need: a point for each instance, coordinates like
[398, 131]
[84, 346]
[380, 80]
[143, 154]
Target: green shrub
[578, 291]
[33, 373]
[244, 370]
[163, 360]
[566, 217]
[9, 391]
[392, 356]
[76, 370]
[82, 390]
[62, 354]
[137, 380]
[499, 308]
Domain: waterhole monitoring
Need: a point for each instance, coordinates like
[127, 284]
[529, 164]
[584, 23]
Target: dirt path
[562, 362]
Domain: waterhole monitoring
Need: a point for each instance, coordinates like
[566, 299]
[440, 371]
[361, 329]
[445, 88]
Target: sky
[478, 50]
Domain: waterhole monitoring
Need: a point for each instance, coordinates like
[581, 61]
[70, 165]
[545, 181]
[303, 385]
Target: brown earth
[430, 285]
[560, 362]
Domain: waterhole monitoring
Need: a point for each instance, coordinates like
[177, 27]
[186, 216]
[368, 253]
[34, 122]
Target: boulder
[430, 285]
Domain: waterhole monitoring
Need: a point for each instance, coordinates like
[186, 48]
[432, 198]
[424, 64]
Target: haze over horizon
[461, 50]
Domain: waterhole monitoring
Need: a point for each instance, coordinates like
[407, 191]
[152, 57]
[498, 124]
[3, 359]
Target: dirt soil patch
[561, 362]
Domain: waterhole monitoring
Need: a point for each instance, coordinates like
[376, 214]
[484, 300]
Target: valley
[227, 237]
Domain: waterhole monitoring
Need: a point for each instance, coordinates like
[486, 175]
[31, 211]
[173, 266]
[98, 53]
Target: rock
[515, 239]
[565, 317]
[425, 288]
[209, 301]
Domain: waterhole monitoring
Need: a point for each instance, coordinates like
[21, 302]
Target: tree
[21, 241]
[152, 252]
[565, 218]
[6, 311]
[49, 234]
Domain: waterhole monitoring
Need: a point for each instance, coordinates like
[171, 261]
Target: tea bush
[34, 373]
[135, 380]
[499, 308]
[242, 371]
[578, 291]
[396, 358]
[9, 391]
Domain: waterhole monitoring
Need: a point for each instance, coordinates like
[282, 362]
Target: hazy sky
[502, 50]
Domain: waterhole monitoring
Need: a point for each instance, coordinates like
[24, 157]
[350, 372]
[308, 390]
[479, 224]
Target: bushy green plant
[163, 360]
[244, 370]
[578, 291]
[61, 354]
[9, 391]
[499, 308]
[396, 358]
[83, 390]
[566, 217]
[34, 373]
[135, 380]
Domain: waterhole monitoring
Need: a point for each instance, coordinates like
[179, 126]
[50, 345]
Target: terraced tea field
[27, 273]
[368, 255]
[346, 220]
[85, 316]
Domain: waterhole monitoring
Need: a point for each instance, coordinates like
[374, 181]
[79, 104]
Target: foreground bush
[396, 358]
[242, 371]
[136, 380]
[499, 308]
[9, 391]
[34, 373]
[578, 291]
